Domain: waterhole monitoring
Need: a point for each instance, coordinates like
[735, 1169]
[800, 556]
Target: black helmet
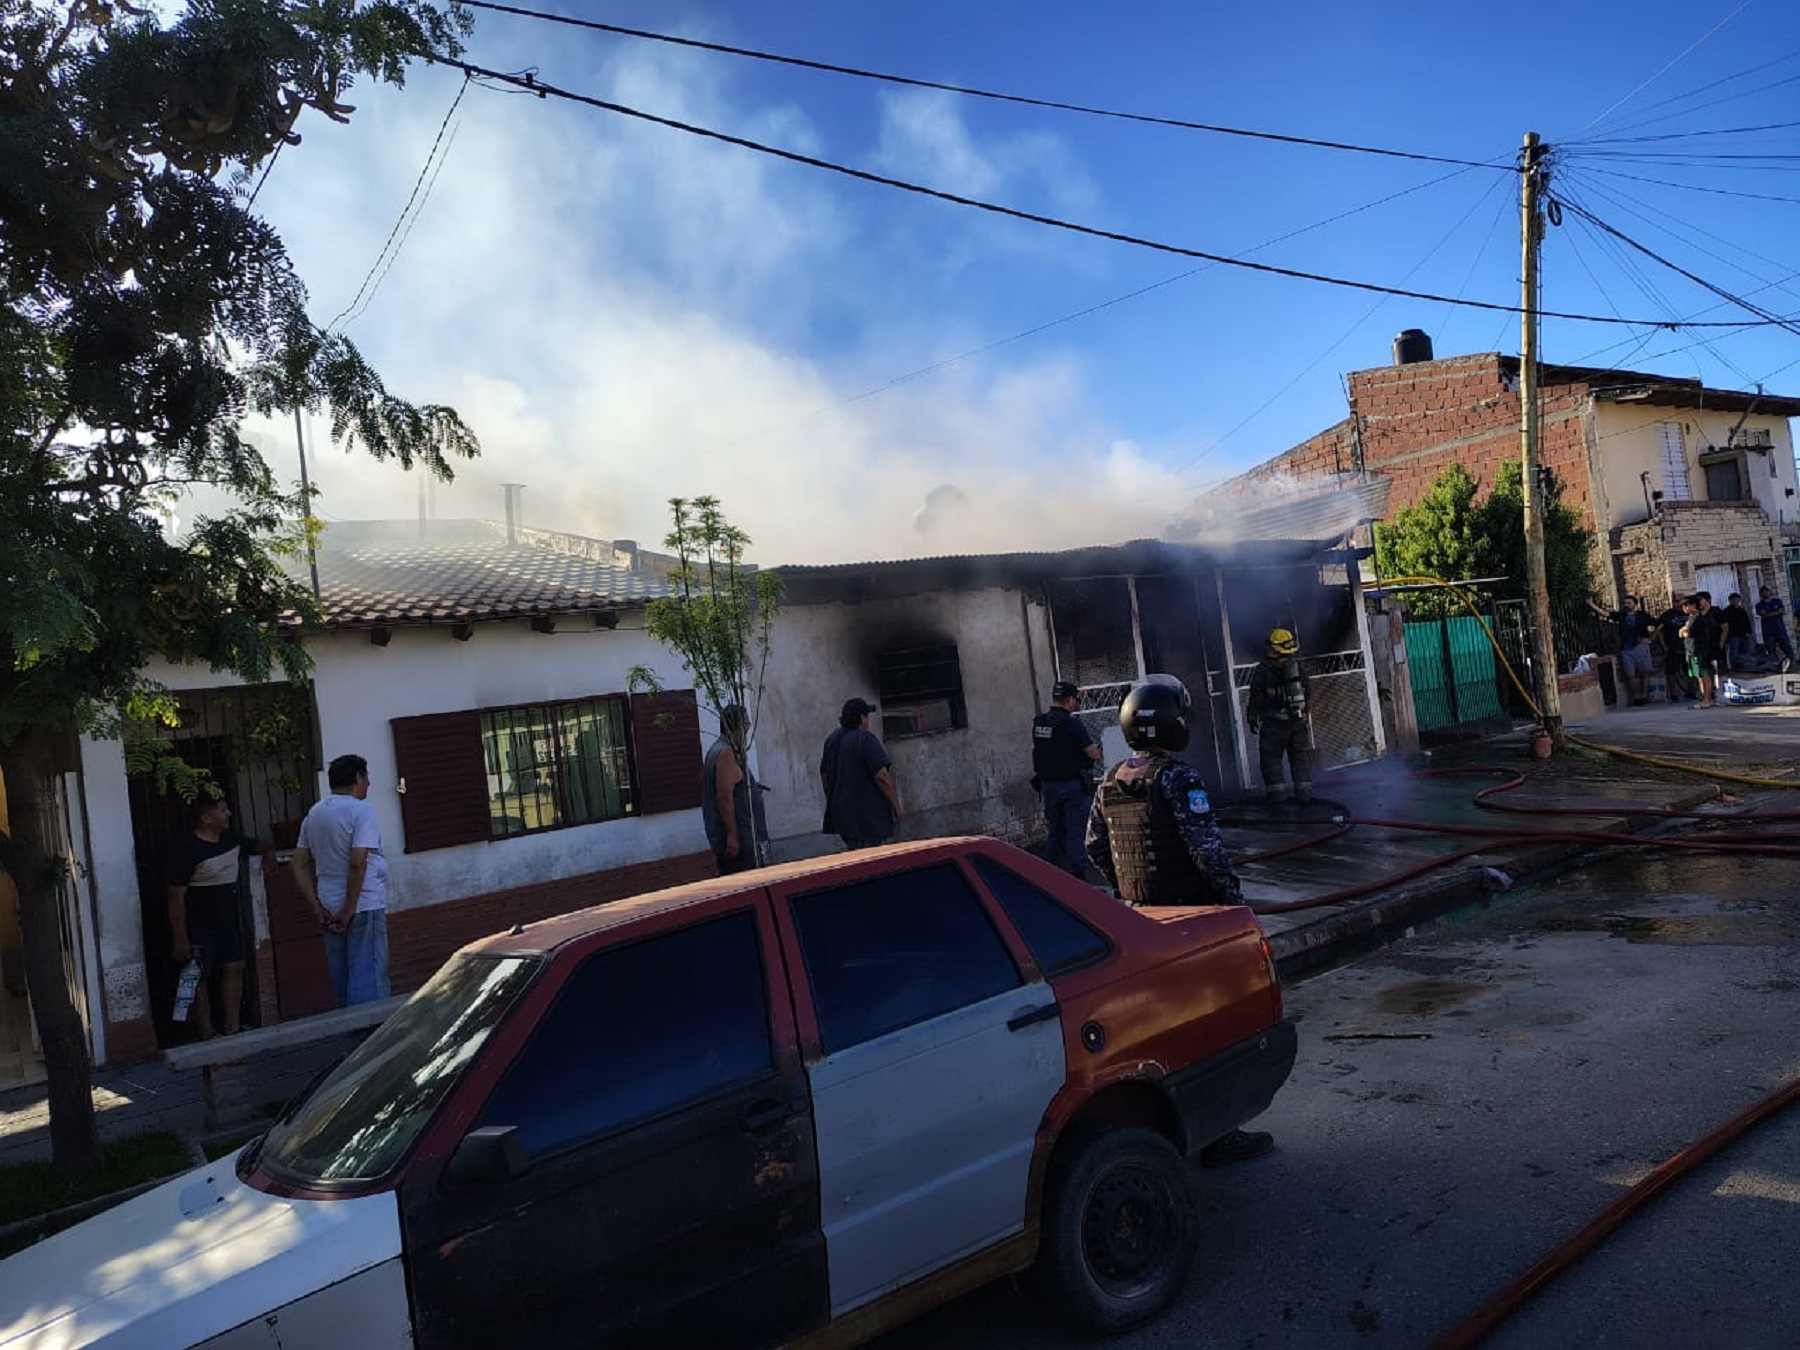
[1154, 715]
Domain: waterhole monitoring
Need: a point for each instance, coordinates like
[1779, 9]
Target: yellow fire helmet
[1283, 643]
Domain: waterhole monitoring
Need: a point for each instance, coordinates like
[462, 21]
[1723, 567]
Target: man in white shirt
[340, 869]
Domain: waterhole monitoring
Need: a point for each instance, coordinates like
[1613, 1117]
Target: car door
[931, 1060]
[669, 1185]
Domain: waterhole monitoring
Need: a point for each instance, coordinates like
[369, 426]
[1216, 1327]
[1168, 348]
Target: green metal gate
[1455, 679]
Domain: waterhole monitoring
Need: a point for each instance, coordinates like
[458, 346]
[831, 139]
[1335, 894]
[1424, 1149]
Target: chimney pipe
[514, 514]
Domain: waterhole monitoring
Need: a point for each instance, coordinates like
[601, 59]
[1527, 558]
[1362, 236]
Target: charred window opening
[920, 691]
[1094, 642]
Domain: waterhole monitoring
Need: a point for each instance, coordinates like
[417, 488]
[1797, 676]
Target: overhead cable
[1768, 317]
[969, 92]
[425, 171]
[544, 90]
[1666, 67]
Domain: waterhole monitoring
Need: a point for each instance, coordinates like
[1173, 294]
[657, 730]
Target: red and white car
[796, 1105]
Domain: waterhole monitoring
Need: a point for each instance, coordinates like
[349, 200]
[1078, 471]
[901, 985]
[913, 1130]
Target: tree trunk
[38, 875]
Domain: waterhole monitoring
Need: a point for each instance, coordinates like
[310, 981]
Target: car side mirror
[490, 1153]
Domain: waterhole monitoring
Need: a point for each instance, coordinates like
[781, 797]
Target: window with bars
[920, 691]
[497, 773]
[556, 764]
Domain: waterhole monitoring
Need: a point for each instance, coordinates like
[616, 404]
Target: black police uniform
[1059, 760]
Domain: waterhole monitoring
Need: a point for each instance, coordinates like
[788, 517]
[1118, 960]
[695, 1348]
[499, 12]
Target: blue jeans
[1065, 824]
[1737, 652]
[358, 958]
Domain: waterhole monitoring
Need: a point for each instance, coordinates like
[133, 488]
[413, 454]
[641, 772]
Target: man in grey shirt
[340, 869]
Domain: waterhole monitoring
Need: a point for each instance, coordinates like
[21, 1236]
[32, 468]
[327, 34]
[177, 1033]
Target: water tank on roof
[1412, 346]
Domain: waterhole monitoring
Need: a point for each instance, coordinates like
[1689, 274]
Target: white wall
[824, 654]
[358, 688]
[1626, 438]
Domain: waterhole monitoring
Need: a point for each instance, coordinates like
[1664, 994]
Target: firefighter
[1151, 833]
[1280, 698]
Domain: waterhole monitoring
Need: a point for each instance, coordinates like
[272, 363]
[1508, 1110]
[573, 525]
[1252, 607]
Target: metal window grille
[556, 764]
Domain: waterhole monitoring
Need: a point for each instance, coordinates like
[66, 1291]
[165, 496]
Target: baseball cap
[857, 707]
[1065, 689]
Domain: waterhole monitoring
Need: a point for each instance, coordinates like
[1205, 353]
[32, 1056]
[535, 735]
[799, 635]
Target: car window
[364, 1115]
[1058, 939]
[640, 1030]
[888, 952]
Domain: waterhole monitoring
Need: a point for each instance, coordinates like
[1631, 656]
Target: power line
[1767, 316]
[1667, 66]
[967, 91]
[544, 90]
[1689, 135]
[418, 183]
[1693, 187]
[1709, 88]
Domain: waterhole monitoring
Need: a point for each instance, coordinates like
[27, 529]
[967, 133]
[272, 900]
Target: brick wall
[1330, 452]
[1704, 534]
[419, 939]
[1643, 564]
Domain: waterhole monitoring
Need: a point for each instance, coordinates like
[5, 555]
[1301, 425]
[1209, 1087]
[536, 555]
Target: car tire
[1119, 1228]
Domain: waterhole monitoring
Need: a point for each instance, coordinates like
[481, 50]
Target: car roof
[546, 935]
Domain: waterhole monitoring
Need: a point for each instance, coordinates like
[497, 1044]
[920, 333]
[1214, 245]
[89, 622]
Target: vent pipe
[514, 513]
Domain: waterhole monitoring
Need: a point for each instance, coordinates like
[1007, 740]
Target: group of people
[339, 870]
[1701, 643]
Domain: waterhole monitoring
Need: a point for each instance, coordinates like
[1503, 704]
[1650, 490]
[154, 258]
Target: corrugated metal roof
[391, 572]
[1326, 510]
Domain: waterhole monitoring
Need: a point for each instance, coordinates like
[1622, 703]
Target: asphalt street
[1469, 1097]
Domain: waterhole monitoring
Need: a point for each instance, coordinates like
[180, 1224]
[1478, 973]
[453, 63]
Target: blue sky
[626, 312]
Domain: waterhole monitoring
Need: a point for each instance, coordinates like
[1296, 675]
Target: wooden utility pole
[1543, 645]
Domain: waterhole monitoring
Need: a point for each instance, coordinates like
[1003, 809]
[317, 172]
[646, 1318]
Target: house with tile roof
[481, 669]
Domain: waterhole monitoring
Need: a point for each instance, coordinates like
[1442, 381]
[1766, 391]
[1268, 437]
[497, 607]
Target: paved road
[1466, 1099]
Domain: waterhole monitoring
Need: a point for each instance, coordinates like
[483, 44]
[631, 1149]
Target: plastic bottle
[187, 986]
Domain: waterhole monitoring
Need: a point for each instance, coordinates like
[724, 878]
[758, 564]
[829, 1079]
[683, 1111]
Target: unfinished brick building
[1686, 488]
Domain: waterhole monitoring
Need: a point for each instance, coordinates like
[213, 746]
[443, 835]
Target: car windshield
[363, 1116]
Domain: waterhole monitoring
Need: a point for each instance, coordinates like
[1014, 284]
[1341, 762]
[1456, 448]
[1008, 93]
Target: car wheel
[1119, 1230]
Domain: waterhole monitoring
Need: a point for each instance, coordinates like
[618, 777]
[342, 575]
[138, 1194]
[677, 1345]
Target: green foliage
[144, 311]
[721, 613]
[1450, 536]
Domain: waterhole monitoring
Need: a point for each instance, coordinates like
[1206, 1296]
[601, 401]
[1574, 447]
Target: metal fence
[1342, 721]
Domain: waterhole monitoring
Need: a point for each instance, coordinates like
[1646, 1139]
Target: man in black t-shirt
[204, 912]
[1062, 753]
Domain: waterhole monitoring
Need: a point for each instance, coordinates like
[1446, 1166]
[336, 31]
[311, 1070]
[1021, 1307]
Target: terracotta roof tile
[388, 572]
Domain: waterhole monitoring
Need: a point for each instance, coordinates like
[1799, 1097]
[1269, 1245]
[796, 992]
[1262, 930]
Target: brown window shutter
[439, 759]
[667, 756]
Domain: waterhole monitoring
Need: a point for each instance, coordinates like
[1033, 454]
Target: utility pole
[1532, 177]
[312, 556]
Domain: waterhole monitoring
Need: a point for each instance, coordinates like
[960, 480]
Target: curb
[1373, 923]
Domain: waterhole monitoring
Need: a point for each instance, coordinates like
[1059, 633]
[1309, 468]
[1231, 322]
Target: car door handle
[1019, 1021]
[766, 1114]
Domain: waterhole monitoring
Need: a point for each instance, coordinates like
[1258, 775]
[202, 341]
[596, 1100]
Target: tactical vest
[1150, 858]
[1054, 754]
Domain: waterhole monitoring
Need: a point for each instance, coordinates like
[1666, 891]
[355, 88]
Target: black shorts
[217, 933]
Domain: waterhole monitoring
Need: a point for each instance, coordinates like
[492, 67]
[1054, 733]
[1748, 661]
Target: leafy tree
[1441, 536]
[1451, 536]
[718, 622]
[144, 311]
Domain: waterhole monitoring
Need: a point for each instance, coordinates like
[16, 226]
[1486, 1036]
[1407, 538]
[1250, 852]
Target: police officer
[1061, 751]
[1151, 833]
[1280, 696]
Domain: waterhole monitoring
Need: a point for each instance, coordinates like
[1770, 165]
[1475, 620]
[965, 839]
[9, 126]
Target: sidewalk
[1761, 740]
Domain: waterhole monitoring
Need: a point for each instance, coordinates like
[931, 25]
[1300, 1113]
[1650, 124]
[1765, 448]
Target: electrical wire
[969, 92]
[1772, 319]
[544, 90]
[1693, 187]
[1667, 66]
[425, 169]
[1702, 91]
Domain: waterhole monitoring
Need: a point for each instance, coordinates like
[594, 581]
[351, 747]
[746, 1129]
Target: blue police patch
[1197, 802]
